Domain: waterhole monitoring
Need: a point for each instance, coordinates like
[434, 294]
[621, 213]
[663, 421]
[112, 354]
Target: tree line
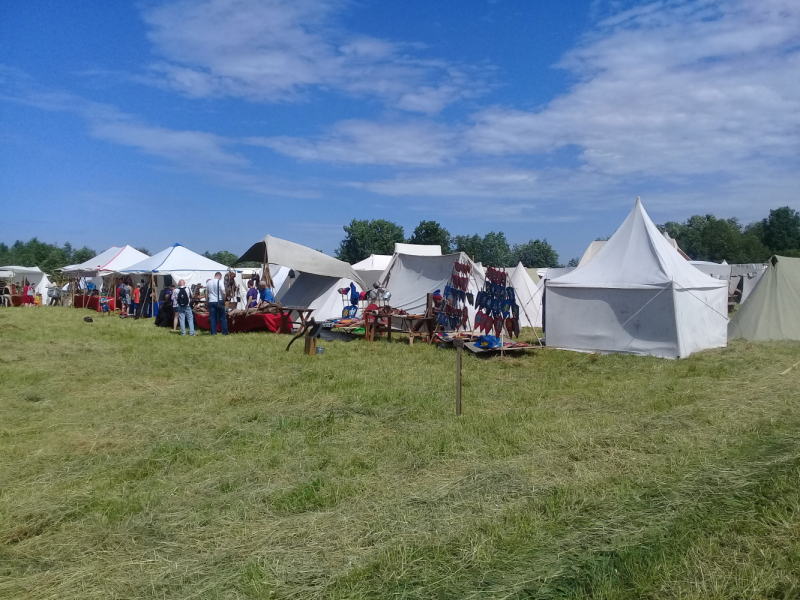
[365, 237]
[702, 237]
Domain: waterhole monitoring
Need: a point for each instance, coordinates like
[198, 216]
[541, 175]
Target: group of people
[178, 302]
[24, 289]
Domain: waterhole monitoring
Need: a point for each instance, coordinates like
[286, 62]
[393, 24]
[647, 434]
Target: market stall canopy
[773, 310]
[300, 258]
[418, 249]
[113, 260]
[180, 263]
[34, 275]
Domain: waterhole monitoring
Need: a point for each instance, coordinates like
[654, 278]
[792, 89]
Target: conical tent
[636, 295]
[180, 263]
[772, 311]
[529, 297]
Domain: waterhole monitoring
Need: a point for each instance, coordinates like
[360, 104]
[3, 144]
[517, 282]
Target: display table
[254, 322]
[303, 314]
[93, 303]
[16, 300]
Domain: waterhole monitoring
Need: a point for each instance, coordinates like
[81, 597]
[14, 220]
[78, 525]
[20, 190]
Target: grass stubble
[138, 464]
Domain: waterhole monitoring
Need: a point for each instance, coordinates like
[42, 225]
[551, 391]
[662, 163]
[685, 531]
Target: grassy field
[135, 463]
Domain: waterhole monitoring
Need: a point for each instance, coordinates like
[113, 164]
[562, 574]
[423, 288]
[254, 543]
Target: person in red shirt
[137, 295]
[27, 294]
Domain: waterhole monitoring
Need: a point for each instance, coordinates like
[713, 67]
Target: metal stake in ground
[459, 344]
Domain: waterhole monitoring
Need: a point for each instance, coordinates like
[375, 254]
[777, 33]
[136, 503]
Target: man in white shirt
[216, 304]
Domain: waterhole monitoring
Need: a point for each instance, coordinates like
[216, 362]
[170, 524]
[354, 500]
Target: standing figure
[183, 307]
[216, 304]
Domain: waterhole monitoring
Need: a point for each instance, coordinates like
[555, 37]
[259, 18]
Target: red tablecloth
[16, 300]
[240, 324]
[93, 303]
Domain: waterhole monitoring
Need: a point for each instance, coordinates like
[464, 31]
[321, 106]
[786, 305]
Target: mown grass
[138, 464]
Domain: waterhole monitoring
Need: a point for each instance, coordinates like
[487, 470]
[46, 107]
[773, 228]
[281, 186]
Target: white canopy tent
[637, 295]
[35, 276]
[410, 278]
[179, 263]
[529, 296]
[371, 268]
[109, 261]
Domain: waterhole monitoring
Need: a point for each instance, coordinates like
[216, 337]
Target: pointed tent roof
[772, 311]
[529, 296]
[593, 249]
[109, 261]
[175, 258]
[637, 256]
[300, 258]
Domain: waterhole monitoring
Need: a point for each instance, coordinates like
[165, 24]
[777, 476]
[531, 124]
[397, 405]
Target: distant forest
[702, 237]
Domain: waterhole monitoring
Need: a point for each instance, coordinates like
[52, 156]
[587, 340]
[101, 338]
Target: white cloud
[669, 89]
[278, 50]
[364, 142]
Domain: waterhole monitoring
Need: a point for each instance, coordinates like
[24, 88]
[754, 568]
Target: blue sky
[215, 122]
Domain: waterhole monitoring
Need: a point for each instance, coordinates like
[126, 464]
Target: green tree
[574, 262]
[48, 257]
[495, 251]
[781, 230]
[709, 238]
[223, 256]
[535, 253]
[430, 232]
[368, 237]
[471, 245]
[143, 250]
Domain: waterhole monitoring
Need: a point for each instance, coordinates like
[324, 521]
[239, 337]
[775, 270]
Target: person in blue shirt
[265, 294]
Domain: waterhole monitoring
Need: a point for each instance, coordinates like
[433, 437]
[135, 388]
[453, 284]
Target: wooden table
[426, 328]
[303, 314]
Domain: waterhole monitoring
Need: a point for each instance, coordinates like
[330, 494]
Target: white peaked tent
[107, 262]
[593, 249]
[637, 295]
[529, 296]
[418, 249]
[35, 276]
[410, 278]
[371, 268]
[180, 263]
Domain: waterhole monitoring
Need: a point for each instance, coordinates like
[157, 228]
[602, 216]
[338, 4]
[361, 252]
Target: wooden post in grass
[459, 344]
[311, 345]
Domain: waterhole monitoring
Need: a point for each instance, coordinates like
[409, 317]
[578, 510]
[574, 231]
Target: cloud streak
[281, 50]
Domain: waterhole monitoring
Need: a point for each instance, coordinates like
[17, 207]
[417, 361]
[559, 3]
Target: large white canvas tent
[178, 262]
[317, 292]
[410, 278]
[35, 276]
[371, 268]
[637, 295]
[107, 262]
[773, 310]
[317, 275]
[529, 296]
